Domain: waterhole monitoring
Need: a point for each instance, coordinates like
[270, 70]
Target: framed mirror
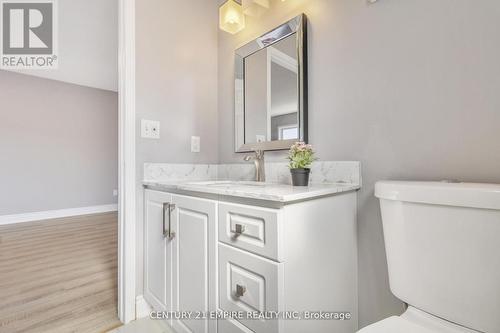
[271, 89]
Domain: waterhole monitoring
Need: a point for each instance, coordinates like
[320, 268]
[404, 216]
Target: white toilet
[443, 254]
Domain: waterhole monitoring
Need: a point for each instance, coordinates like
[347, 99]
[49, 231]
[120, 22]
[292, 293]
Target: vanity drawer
[251, 228]
[250, 283]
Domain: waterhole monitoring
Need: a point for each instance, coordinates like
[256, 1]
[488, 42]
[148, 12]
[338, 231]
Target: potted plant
[301, 156]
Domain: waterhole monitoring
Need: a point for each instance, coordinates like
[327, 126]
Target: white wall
[88, 44]
[409, 88]
[58, 145]
[176, 43]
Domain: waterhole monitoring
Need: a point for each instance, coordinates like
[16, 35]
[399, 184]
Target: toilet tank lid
[473, 195]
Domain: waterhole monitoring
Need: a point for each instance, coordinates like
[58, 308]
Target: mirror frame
[297, 25]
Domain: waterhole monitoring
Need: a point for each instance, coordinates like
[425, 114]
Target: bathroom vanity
[247, 248]
[229, 255]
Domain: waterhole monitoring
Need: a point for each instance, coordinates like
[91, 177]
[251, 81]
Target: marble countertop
[274, 192]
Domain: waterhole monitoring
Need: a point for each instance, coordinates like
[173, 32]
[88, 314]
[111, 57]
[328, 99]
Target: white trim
[55, 214]
[282, 59]
[142, 307]
[126, 168]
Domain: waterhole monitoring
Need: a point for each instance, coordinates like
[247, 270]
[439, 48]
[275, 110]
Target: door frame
[126, 160]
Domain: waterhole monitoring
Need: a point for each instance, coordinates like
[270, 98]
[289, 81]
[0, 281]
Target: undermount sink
[227, 183]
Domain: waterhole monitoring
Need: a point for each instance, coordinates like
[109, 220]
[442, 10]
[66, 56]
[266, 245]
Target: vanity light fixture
[255, 8]
[231, 17]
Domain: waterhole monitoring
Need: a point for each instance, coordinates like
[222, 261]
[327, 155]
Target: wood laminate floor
[59, 276]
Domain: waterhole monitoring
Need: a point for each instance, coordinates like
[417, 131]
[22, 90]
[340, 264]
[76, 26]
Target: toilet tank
[443, 249]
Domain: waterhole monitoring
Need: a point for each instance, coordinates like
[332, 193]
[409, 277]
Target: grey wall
[58, 145]
[284, 89]
[256, 98]
[408, 87]
[176, 69]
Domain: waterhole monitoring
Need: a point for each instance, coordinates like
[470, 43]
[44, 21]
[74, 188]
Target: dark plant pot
[300, 177]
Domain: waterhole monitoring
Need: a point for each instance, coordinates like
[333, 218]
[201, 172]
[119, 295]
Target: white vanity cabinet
[242, 255]
[180, 257]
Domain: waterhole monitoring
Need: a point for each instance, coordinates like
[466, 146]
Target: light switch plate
[150, 129]
[195, 144]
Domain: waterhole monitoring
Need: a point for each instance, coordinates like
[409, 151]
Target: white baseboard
[142, 307]
[54, 214]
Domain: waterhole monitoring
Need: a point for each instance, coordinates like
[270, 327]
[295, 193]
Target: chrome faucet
[258, 159]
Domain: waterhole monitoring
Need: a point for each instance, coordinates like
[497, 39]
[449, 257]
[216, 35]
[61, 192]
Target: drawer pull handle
[238, 229]
[240, 290]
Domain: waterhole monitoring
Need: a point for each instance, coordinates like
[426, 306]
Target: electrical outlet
[150, 129]
[115, 193]
[195, 144]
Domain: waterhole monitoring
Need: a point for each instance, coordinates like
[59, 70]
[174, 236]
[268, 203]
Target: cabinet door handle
[170, 234]
[166, 206]
[240, 290]
[238, 229]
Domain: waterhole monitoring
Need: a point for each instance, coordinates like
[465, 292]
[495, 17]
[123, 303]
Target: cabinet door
[157, 277]
[194, 261]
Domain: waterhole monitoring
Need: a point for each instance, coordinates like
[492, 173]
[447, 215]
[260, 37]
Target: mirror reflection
[271, 84]
[270, 97]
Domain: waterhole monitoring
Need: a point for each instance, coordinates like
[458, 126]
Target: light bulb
[231, 17]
